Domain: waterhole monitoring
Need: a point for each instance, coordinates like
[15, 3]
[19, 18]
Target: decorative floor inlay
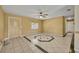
[45, 40]
[41, 38]
[36, 45]
[27, 38]
[41, 49]
[51, 43]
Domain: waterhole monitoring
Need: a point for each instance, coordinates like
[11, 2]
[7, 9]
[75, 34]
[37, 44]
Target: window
[34, 26]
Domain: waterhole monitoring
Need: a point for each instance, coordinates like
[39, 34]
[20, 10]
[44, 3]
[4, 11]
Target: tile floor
[22, 45]
[17, 45]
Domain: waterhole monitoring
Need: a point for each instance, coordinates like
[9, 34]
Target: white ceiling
[32, 10]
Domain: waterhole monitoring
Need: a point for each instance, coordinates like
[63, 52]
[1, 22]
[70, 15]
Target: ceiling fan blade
[37, 14]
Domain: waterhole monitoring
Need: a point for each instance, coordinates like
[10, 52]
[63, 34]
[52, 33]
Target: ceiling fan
[41, 13]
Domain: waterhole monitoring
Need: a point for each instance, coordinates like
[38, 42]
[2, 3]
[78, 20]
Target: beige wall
[6, 25]
[26, 24]
[1, 24]
[54, 25]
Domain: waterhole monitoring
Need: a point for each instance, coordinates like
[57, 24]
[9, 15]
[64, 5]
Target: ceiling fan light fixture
[41, 17]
